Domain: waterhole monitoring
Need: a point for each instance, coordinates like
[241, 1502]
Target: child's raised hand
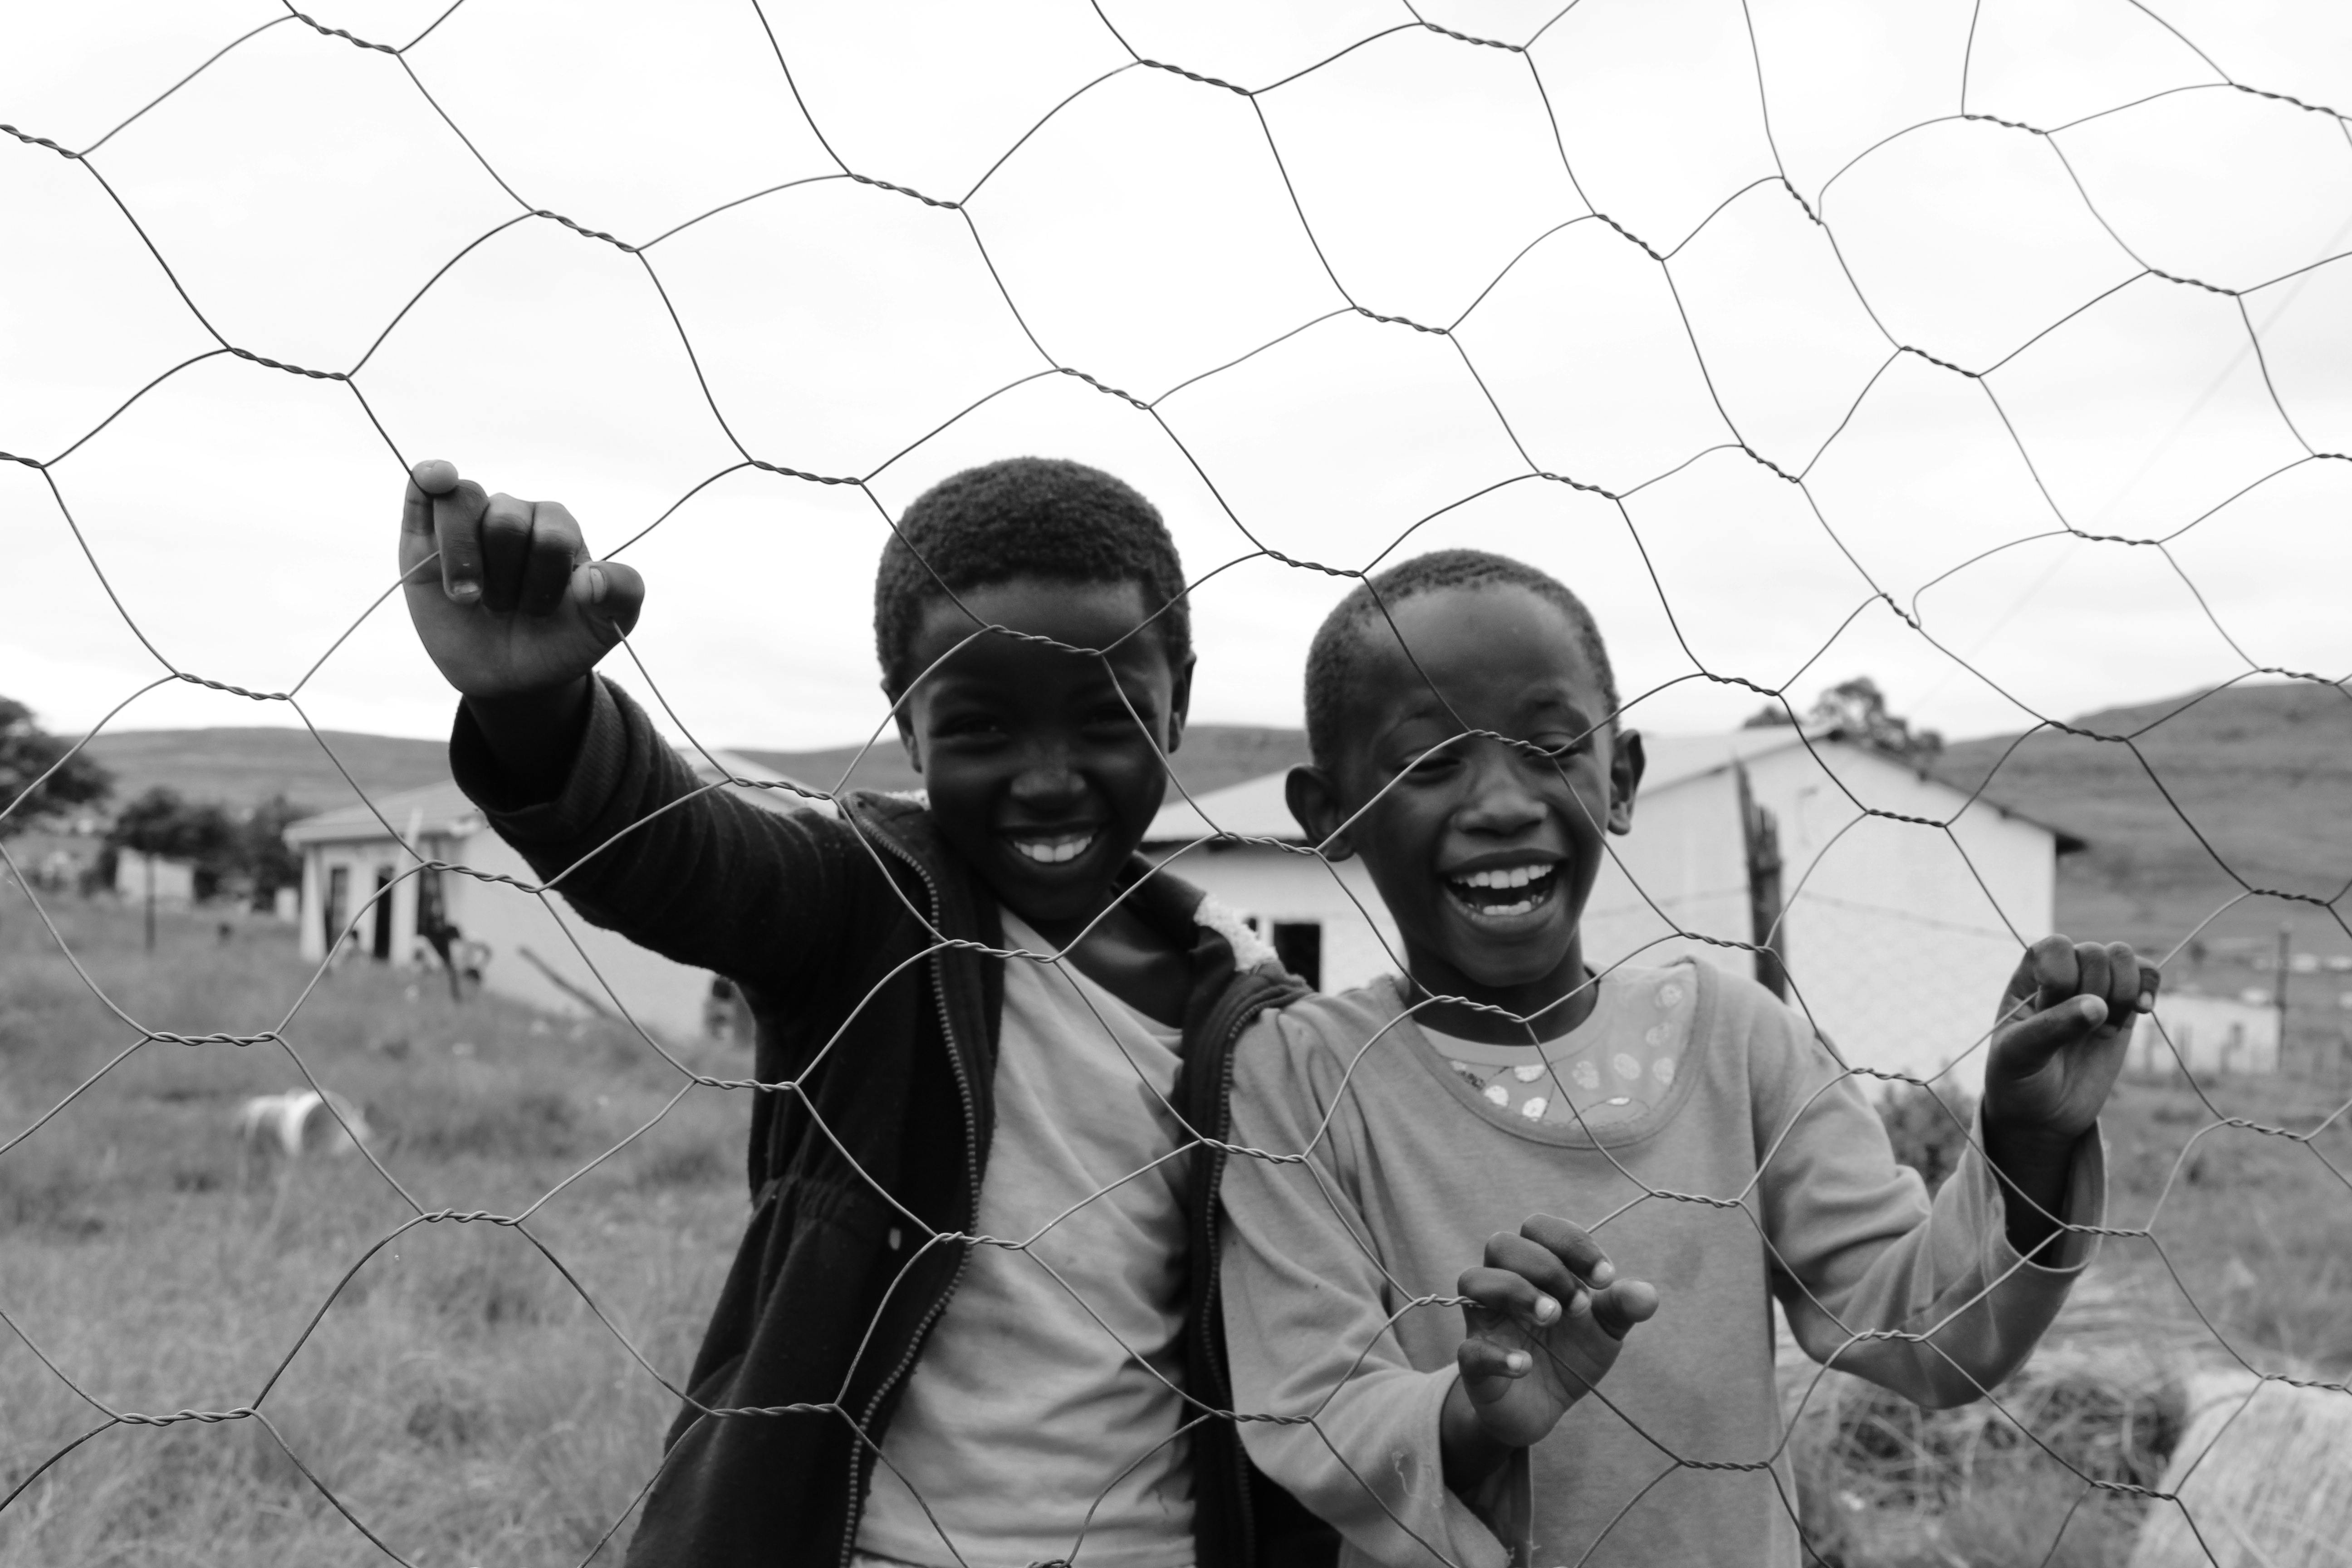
[503, 592]
[1546, 1316]
[2058, 1044]
[2060, 1038]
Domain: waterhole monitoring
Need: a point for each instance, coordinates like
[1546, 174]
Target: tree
[26, 752]
[217, 849]
[264, 859]
[1856, 710]
[242, 856]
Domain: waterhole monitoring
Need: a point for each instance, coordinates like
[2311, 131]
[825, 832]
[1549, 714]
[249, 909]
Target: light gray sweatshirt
[1758, 1170]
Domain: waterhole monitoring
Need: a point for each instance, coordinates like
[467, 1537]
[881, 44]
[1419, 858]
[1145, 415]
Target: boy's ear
[1625, 764]
[902, 714]
[1180, 703]
[1315, 805]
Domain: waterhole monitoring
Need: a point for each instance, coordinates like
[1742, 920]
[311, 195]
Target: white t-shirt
[1025, 1412]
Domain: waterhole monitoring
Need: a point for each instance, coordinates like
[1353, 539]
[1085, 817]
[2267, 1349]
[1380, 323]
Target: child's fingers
[609, 591]
[556, 547]
[426, 479]
[1534, 1262]
[434, 476]
[2090, 971]
[1572, 1244]
[1508, 1293]
[2034, 1041]
[2039, 968]
[1478, 1358]
[1622, 1305]
[506, 551]
[458, 534]
[2126, 982]
[2047, 971]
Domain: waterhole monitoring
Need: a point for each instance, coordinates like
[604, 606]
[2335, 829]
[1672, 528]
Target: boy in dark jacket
[876, 1381]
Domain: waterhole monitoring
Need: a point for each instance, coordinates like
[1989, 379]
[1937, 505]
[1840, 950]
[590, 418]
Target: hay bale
[2265, 1471]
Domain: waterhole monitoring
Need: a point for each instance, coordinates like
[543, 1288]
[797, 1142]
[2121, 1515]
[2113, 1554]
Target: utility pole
[2278, 992]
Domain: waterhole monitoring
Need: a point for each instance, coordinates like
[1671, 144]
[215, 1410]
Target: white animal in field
[300, 1119]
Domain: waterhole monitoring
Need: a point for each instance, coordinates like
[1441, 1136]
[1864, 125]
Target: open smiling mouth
[1504, 892]
[1053, 849]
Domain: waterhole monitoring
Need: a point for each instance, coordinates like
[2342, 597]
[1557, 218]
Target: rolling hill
[1213, 756]
[2262, 772]
[240, 767]
[2256, 778]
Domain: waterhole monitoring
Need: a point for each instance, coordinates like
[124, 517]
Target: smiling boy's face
[1035, 766]
[1484, 851]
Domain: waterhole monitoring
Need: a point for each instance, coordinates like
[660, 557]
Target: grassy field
[463, 1401]
[2249, 1258]
[458, 1395]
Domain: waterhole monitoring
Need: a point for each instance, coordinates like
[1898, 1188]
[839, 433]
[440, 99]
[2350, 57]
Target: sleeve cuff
[596, 770]
[1490, 1529]
[2084, 1204]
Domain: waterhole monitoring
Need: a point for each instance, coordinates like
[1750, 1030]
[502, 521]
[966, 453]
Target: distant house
[2211, 1036]
[138, 876]
[1899, 936]
[515, 940]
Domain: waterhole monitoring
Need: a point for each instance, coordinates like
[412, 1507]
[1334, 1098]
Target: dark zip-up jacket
[886, 1034]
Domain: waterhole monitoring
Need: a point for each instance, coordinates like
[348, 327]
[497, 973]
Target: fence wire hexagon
[1919, 1456]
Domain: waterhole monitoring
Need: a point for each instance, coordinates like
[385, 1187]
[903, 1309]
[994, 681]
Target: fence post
[1761, 839]
[2278, 992]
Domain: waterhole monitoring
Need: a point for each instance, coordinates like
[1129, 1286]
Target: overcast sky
[1150, 230]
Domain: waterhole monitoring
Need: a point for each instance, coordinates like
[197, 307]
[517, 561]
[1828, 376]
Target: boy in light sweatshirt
[1680, 1116]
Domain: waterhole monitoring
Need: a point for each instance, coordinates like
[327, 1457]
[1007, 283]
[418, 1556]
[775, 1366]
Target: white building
[521, 947]
[2210, 1036]
[1900, 937]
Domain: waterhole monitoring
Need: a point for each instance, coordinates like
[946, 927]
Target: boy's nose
[1501, 802]
[1047, 782]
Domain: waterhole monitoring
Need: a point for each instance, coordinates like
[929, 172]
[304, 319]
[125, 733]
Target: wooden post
[149, 861]
[1760, 837]
[2278, 992]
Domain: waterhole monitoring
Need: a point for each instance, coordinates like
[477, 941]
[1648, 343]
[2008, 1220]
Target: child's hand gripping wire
[1546, 1314]
[514, 612]
[504, 594]
[2058, 1044]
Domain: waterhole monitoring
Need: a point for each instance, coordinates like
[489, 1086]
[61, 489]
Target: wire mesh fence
[1840, 1456]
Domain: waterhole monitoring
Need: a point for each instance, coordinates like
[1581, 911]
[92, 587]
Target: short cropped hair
[1024, 517]
[1335, 658]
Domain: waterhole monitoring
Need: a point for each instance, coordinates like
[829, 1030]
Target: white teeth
[1533, 881]
[1055, 851]
[1505, 876]
[1503, 912]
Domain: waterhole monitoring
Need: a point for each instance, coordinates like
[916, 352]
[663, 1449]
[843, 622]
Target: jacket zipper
[860, 1453]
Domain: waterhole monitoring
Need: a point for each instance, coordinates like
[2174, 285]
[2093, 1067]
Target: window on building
[338, 905]
[1299, 946]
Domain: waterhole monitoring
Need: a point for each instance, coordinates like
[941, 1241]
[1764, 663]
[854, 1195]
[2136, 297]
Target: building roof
[1671, 760]
[1674, 760]
[442, 810]
[1256, 808]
